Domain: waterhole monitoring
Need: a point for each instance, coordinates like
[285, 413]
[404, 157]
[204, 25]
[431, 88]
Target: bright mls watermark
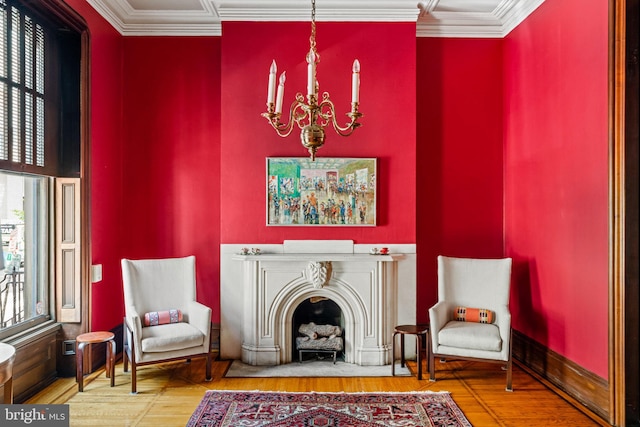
[34, 415]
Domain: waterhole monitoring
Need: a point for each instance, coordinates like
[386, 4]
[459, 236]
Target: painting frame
[325, 192]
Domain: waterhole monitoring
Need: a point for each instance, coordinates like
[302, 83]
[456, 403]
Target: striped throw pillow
[154, 318]
[478, 315]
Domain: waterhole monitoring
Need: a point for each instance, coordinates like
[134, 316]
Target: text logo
[34, 415]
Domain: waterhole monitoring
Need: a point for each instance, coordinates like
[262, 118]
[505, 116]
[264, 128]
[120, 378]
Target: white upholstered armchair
[163, 320]
[471, 319]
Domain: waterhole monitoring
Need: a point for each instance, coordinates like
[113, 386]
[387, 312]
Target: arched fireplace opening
[322, 330]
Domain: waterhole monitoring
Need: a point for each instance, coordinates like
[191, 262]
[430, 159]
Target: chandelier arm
[285, 129]
[331, 115]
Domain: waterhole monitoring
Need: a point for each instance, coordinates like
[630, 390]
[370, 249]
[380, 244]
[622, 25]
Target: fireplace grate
[319, 339]
[334, 352]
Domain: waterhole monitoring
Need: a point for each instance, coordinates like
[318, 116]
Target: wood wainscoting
[566, 376]
[34, 367]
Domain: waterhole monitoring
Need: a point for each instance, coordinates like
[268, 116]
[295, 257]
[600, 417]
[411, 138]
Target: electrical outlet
[96, 273]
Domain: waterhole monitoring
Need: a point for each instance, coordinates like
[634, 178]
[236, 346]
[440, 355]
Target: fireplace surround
[260, 293]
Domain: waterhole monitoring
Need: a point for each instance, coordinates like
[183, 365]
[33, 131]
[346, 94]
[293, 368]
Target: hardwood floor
[168, 394]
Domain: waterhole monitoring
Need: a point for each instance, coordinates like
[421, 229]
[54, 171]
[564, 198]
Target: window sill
[31, 335]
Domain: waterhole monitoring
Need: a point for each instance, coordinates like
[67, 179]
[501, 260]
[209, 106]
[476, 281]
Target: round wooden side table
[419, 331]
[7, 356]
[95, 338]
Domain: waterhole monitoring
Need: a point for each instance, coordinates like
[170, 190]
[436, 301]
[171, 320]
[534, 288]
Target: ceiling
[433, 18]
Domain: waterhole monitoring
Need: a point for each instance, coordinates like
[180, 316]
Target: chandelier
[312, 115]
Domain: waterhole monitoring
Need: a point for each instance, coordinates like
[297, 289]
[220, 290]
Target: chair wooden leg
[509, 375]
[80, 365]
[125, 358]
[111, 361]
[125, 346]
[134, 387]
[510, 364]
[393, 354]
[432, 367]
[418, 352]
[430, 359]
[208, 369]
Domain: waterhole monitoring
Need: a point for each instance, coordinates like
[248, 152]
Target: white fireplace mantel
[259, 294]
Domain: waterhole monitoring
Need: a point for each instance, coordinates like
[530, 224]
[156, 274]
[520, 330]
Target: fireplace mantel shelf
[318, 257]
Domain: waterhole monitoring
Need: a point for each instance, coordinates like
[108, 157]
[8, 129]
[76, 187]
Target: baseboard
[581, 385]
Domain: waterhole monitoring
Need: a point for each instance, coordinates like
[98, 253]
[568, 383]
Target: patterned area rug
[278, 409]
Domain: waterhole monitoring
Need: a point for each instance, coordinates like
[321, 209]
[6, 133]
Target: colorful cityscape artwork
[324, 192]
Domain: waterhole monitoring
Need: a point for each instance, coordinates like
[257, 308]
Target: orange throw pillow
[155, 318]
[478, 315]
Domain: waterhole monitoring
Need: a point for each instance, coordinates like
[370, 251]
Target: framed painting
[325, 192]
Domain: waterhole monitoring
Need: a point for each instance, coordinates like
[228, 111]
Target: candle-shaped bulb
[355, 82]
[311, 73]
[280, 96]
[271, 93]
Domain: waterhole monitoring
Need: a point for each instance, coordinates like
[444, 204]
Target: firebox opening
[320, 311]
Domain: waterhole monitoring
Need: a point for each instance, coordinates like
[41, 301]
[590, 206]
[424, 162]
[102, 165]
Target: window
[40, 58]
[24, 285]
[22, 89]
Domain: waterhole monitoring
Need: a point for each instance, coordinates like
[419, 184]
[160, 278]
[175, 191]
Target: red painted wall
[106, 167]
[462, 129]
[556, 175]
[460, 152]
[155, 144]
[386, 52]
[171, 155]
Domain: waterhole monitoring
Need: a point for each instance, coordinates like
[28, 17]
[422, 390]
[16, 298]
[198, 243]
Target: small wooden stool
[7, 356]
[95, 338]
[419, 331]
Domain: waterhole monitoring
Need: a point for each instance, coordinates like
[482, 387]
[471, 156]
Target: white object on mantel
[318, 246]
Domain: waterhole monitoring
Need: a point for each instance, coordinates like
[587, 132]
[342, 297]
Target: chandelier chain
[312, 38]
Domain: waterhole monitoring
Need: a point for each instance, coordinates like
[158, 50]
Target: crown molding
[495, 24]
[327, 10]
[517, 12]
[132, 22]
[433, 18]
